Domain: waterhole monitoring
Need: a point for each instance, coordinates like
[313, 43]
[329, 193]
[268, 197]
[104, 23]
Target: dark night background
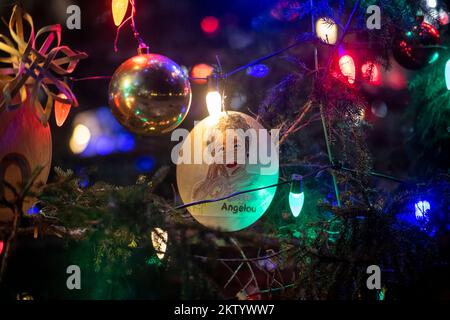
[172, 28]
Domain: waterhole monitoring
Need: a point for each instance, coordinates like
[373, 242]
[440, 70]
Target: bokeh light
[210, 25]
[145, 164]
[200, 72]
[379, 109]
[80, 139]
[238, 100]
[286, 10]
[258, 71]
[106, 135]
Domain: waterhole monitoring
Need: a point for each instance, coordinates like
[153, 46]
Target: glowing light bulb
[347, 66]
[431, 3]
[119, 9]
[80, 139]
[371, 73]
[421, 209]
[434, 58]
[159, 241]
[443, 17]
[214, 103]
[296, 195]
[1, 246]
[62, 110]
[296, 201]
[326, 30]
[447, 74]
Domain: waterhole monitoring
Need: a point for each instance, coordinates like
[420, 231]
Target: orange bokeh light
[200, 72]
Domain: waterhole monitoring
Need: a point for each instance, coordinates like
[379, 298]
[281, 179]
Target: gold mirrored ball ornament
[149, 94]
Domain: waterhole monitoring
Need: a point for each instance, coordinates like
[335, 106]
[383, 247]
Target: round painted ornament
[416, 48]
[223, 155]
[149, 94]
[25, 145]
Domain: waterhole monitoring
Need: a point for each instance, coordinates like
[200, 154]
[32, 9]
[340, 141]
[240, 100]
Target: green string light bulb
[296, 195]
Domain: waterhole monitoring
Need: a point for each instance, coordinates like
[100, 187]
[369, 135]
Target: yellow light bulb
[159, 241]
[327, 30]
[119, 9]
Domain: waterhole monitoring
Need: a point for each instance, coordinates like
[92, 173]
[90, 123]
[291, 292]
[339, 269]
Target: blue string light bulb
[422, 209]
[296, 195]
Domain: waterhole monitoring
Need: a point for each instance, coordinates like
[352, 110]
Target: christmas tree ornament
[159, 241]
[296, 195]
[25, 145]
[327, 30]
[33, 64]
[416, 48]
[62, 109]
[212, 163]
[119, 9]
[149, 94]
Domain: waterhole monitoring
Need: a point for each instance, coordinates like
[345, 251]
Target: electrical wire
[234, 194]
[337, 167]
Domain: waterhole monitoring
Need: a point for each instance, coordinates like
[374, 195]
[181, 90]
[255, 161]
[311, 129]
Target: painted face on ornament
[228, 148]
[232, 150]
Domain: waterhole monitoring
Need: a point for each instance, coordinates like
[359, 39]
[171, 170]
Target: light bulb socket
[143, 49]
[213, 82]
[296, 184]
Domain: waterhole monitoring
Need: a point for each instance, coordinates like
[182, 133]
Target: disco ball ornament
[150, 94]
[201, 179]
[413, 49]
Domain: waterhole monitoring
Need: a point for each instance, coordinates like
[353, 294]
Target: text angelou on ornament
[237, 208]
